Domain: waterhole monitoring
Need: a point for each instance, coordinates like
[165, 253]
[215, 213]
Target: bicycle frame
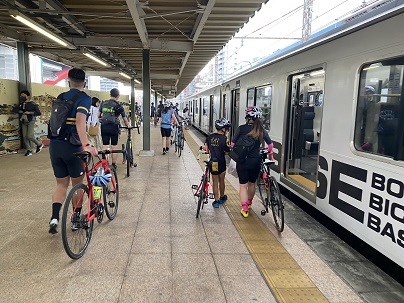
[101, 163]
[129, 138]
[265, 173]
[202, 190]
[128, 156]
[205, 176]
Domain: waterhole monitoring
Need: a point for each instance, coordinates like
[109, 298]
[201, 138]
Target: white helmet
[101, 180]
[167, 104]
[253, 112]
[222, 123]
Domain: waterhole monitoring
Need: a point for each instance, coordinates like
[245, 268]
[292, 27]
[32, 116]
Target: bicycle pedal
[211, 196]
[194, 186]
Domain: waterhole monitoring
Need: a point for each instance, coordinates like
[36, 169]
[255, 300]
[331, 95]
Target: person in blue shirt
[167, 115]
[66, 166]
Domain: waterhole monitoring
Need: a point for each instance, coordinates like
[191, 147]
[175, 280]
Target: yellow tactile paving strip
[288, 282]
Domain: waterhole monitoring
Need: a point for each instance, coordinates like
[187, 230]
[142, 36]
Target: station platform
[155, 250]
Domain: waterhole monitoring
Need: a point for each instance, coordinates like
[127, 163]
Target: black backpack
[242, 148]
[61, 109]
[109, 112]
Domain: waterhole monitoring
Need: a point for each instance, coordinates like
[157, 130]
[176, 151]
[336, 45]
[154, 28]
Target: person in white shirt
[93, 122]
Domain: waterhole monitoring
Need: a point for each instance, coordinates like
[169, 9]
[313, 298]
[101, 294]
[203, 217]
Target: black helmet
[222, 123]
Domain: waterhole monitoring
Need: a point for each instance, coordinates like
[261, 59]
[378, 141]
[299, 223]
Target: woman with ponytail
[249, 169]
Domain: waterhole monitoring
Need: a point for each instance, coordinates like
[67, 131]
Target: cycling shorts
[63, 160]
[248, 171]
[221, 169]
[109, 134]
[165, 132]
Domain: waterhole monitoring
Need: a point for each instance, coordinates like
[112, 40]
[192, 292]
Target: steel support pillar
[132, 101]
[146, 104]
[24, 76]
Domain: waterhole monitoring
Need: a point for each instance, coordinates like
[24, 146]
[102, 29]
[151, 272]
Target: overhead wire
[297, 29]
[285, 16]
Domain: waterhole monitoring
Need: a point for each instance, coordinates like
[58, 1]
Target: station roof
[182, 35]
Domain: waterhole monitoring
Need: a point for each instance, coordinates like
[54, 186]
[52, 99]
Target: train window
[250, 96]
[264, 101]
[378, 129]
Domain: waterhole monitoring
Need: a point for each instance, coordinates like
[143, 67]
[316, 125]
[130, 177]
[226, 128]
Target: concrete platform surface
[154, 251]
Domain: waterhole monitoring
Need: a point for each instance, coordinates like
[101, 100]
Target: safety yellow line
[287, 280]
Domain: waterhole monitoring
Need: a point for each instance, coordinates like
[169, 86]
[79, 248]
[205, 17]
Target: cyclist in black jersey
[218, 145]
[249, 169]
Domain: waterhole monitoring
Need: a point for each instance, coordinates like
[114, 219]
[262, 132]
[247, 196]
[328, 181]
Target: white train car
[334, 108]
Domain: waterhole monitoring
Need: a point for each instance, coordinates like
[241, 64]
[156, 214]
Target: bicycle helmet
[167, 104]
[253, 112]
[100, 177]
[222, 123]
[370, 89]
[100, 180]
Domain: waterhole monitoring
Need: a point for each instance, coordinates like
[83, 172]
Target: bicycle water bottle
[97, 188]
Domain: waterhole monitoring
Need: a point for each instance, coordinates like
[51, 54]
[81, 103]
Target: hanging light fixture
[95, 58]
[125, 75]
[40, 29]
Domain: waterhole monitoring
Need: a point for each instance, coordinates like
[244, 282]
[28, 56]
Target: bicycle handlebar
[264, 152]
[200, 152]
[100, 152]
[126, 127]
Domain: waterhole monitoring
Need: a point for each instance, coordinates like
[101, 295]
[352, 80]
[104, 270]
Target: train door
[234, 110]
[211, 110]
[226, 107]
[191, 111]
[200, 116]
[303, 129]
[196, 112]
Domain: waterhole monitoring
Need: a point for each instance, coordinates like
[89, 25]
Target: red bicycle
[83, 203]
[202, 190]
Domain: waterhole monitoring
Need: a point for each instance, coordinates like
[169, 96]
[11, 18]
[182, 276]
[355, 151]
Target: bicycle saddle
[83, 155]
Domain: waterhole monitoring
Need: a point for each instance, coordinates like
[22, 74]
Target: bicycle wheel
[276, 204]
[111, 196]
[76, 229]
[180, 146]
[129, 158]
[124, 156]
[202, 196]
